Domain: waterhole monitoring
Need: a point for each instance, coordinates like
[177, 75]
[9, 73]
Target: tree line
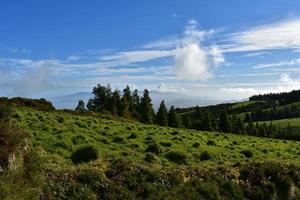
[231, 123]
[129, 104]
[282, 98]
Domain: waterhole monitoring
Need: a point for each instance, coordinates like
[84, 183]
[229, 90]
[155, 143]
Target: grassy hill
[60, 134]
[124, 159]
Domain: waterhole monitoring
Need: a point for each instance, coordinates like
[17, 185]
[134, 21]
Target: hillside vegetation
[80, 155]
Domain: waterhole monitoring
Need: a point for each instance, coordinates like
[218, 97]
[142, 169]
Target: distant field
[59, 134]
[293, 122]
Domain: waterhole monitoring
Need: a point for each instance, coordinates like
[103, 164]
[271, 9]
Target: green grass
[60, 134]
[245, 104]
[293, 122]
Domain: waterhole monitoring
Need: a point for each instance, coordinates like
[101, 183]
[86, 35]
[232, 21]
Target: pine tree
[136, 105]
[224, 123]
[81, 106]
[173, 119]
[162, 115]
[102, 97]
[198, 113]
[147, 111]
[116, 103]
[124, 112]
[205, 123]
[186, 121]
[90, 105]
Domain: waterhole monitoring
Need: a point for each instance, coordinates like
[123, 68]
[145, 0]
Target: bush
[166, 144]
[154, 148]
[196, 145]
[177, 157]
[150, 157]
[205, 155]
[92, 178]
[247, 153]
[84, 154]
[60, 120]
[118, 140]
[132, 136]
[211, 143]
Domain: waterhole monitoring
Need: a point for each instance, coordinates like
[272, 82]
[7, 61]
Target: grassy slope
[293, 122]
[61, 133]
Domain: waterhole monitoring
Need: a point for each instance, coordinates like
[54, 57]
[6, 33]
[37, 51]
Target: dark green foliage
[211, 143]
[162, 115]
[166, 144]
[78, 140]
[224, 123]
[146, 108]
[205, 155]
[150, 157]
[60, 119]
[283, 187]
[84, 154]
[177, 157]
[154, 148]
[81, 106]
[173, 119]
[92, 178]
[247, 153]
[132, 136]
[38, 104]
[196, 145]
[118, 139]
[186, 121]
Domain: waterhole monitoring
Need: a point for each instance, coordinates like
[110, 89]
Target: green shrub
[84, 154]
[93, 178]
[211, 143]
[132, 136]
[150, 157]
[166, 144]
[60, 119]
[118, 139]
[78, 139]
[196, 145]
[177, 157]
[205, 155]
[154, 148]
[247, 153]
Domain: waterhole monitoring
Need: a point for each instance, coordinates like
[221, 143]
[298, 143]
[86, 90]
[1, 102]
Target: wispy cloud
[278, 64]
[284, 34]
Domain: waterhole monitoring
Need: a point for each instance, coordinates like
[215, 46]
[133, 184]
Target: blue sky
[221, 50]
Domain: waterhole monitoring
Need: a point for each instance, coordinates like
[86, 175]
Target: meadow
[60, 134]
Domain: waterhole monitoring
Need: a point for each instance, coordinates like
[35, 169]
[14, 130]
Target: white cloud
[191, 62]
[278, 64]
[279, 35]
[284, 84]
[259, 54]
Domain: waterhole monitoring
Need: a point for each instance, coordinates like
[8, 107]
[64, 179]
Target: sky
[221, 50]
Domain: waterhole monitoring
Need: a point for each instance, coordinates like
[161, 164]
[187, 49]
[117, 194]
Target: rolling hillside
[95, 156]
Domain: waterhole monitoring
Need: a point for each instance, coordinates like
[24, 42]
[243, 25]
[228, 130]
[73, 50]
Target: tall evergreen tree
[162, 115]
[81, 106]
[147, 112]
[198, 113]
[102, 98]
[90, 105]
[136, 105]
[186, 121]
[124, 112]
[116, 103]
[224, 123]
[173, 119]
